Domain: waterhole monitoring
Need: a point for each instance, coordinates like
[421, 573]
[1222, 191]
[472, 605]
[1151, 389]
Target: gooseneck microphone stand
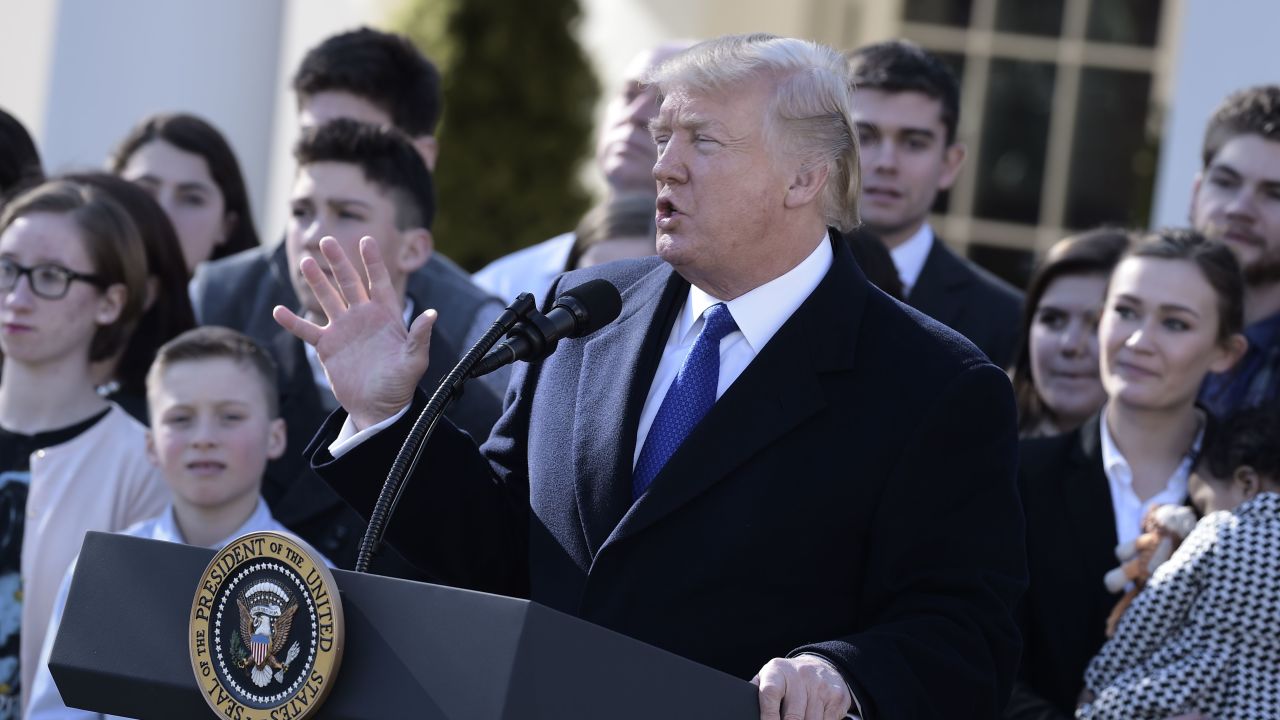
[411, 451]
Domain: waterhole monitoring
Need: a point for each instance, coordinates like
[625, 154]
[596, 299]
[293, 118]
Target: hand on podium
[372, 361]
[802, 688]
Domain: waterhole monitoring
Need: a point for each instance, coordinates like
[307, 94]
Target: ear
[111, 304]
[1230, 353]
[152, 455]
[229, 221]
[153, 292]
[806, 184]
[1195, 195]
[416, 246]
[952, 160]
[1250, 483]
[276, 438]
[428, 148]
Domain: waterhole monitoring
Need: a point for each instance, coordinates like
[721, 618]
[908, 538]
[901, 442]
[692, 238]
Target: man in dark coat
[765, 464]
[907, 104]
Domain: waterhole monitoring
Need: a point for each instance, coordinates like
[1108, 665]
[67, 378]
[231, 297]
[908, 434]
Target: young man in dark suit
[380, 78]
[765, 464]
[1236, 199]
[907, 105]
[353, 180]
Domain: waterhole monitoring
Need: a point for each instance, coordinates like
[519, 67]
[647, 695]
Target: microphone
[577, 312]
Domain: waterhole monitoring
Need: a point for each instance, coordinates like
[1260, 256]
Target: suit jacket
[848, 495]
[239, 292]
[971, 301]
[1071, 540]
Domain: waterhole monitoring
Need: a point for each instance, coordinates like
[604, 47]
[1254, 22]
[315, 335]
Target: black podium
[412, 651]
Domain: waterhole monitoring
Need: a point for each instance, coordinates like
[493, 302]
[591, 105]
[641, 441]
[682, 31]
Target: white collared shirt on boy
[46, 703]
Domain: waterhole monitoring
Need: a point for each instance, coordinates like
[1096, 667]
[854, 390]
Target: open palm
[373, 362]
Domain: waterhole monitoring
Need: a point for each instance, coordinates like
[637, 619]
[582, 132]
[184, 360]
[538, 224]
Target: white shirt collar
[1118, 469]
[910, 256]
[1127, 507]
[760, 312]
[167, 528]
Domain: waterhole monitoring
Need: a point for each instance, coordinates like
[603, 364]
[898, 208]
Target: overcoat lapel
[780, 389]
[940, 283]
[1086, 496]
[618, 364]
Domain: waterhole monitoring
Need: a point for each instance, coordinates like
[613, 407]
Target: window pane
[1009, 264]
[1015, 131]
[1029, 17]
[955, 61]
[1134, 22]
[942, 12]
[1112, 159]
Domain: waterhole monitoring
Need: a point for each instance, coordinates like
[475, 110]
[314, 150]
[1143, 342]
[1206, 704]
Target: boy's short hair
[383, 68]
[896, 66]
[387, 158]
[1251, 111]
[1248, 437]
[211, 342]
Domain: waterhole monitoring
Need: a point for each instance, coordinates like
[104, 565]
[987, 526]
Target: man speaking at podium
[765, 464]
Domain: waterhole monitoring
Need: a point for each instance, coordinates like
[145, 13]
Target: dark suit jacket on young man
[1071, 540]
[850, 494]
[239, 292]
[971, 301]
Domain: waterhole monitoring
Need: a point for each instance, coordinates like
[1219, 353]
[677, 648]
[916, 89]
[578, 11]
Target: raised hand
[372, 361]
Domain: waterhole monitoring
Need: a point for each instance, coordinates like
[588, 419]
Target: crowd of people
[819, 449]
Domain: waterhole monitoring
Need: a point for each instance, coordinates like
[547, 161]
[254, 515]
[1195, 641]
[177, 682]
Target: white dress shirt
[532, 269]
[758, 313]
[1129, 508]
[910, 256]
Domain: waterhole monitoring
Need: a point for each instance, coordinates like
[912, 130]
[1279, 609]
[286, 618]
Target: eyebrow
[687, 121]
[905, 132]
[1221, 167]
[1167, 307]
[348, 204]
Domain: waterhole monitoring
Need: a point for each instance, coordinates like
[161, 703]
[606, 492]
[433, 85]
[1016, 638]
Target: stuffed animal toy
[1163, 529]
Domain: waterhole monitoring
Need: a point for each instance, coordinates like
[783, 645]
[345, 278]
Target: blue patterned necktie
[690, 396]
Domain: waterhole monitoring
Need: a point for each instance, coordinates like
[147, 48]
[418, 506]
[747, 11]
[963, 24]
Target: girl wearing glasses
[72, 283]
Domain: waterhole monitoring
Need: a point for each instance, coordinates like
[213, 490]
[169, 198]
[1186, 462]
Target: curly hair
[1251, 111]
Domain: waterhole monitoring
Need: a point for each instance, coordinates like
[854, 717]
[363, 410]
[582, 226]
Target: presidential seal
[266, 629]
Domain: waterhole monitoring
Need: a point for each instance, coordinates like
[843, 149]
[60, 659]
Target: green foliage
[518, 101]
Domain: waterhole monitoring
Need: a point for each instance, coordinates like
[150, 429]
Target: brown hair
[1094, 252]
[1251, 111]
[196, 136]
[1214, 260]
[111, 240]
[212, 342]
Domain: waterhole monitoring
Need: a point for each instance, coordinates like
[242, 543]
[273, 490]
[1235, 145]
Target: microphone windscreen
[600, 299]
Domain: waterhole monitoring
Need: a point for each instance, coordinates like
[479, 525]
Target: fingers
[419, 341]
[802, 688]
[772, 686]
[350, 284]
[306, 331]
[380, 288]
[327, 295]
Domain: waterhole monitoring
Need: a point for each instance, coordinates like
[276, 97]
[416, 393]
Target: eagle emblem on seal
[266, 615]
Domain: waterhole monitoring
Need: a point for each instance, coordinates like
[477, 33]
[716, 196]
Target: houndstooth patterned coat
[1204, 636]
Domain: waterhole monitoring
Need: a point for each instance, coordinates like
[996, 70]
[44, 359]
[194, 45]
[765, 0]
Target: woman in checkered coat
[1204, 636]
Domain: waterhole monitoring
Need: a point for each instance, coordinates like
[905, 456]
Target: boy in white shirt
[211, 393]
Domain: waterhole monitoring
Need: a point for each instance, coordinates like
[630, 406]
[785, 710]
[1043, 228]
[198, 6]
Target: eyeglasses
[47, 280]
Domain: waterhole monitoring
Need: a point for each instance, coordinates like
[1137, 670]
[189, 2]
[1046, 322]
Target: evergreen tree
[518, 101]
